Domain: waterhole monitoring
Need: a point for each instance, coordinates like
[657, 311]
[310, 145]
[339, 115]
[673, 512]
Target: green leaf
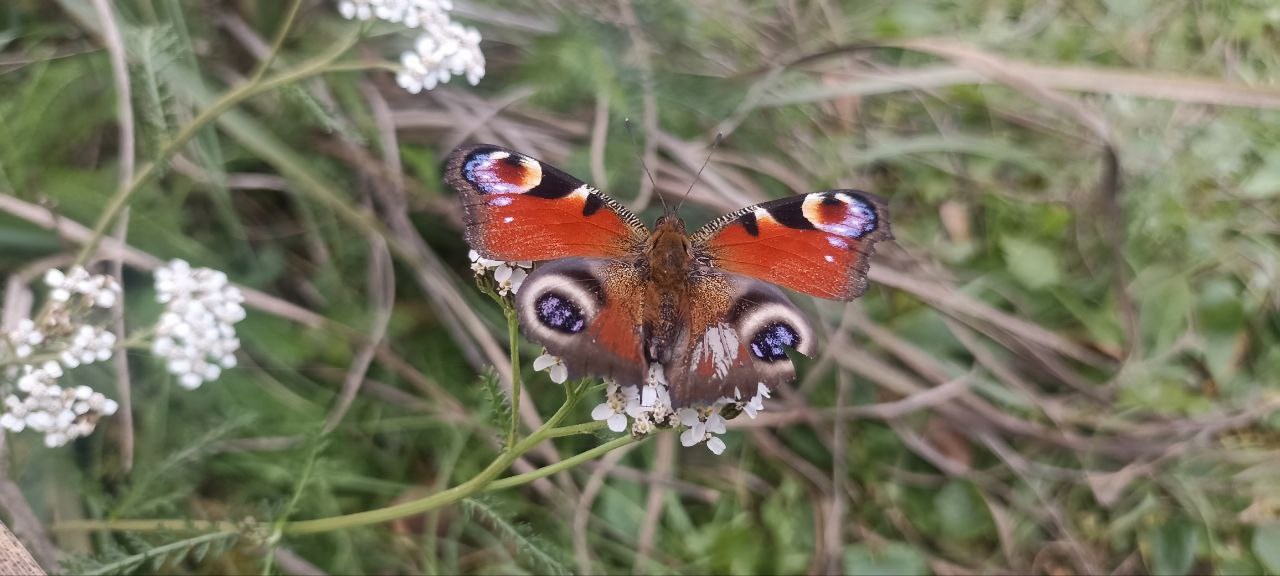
[1171, 547]
[1033, 264]
[1265, 181]
[1234, 561]
[961, 514]
[888, 560]
[1266, 546]
[1163, 312]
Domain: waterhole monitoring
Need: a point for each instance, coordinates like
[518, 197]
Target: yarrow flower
[61, 414]
[654, 409]
[411, 13]
[702, 425]
[64, 328]
[196, 334]
[756, 403]
[554, 365]
[509, 275]
[441, 53]
[96, 290]
[90, 344]
[649, 408]
[24, 338]
[619, 400]
[445, 48]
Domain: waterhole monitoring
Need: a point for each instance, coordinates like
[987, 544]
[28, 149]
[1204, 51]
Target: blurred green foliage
[1160, 456]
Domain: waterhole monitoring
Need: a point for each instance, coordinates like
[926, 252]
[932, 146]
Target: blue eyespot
[559, 313]
[771, 343]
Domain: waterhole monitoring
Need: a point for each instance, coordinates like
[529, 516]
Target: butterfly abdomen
[668, 260]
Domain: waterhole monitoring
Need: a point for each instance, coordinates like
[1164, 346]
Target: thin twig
[124, 119]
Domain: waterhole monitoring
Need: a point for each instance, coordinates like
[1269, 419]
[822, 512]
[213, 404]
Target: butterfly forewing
[819, 243]
[517, 208]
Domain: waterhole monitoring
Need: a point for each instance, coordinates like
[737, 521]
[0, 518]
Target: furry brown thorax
[669, 256]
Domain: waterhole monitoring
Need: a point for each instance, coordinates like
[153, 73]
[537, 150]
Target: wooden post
[14, 558]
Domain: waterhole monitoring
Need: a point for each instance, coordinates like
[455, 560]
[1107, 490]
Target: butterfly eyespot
[841, 214]
[771, 343]
[501, 172]
[557, 312]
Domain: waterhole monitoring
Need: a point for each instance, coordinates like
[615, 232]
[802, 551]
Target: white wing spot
[829, 258]
[510, 219]
[720, 346]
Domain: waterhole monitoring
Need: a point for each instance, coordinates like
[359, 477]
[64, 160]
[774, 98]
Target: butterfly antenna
[640, 155]
[714, 145]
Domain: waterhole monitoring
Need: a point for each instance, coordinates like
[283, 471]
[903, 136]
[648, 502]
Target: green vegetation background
[1086, 202]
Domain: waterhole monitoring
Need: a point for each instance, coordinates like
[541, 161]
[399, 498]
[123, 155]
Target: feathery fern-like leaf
[540, 553]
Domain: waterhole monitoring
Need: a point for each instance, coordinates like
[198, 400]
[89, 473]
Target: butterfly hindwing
[819, 243]
[588, 312]
[517, 208]
[740, 331]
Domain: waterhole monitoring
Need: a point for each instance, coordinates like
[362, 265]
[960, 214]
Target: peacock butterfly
[617, 299]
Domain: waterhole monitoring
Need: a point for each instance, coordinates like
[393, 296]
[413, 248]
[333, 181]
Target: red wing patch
[819, 243]
[517, 208]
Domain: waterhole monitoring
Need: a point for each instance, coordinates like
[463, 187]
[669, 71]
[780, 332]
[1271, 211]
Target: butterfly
[621, 301]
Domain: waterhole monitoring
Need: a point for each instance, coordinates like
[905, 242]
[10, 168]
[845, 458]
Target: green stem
[485, 481]
[146, 525]
[277, 528]
[278, 43]
[567, 463]
[475, 484]
[583, 428]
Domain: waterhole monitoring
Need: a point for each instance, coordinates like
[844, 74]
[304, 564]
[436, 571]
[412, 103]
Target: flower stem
[583, 428]
[484, 481]
[475, 484]
[265, 65]
[567, 463]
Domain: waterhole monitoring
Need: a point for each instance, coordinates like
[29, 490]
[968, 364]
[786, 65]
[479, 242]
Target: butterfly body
[700, 311]
[667, 270]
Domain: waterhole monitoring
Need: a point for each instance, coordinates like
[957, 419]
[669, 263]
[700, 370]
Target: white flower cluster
[89, 344]
[60, 331]
[61, 414]
[439, 55]
[24, 338]
[649, 407]
[445, 48]
[411, 13]
[96, 290]
[196, 335]
[69, 332]
[703, 424]
[509, 275]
